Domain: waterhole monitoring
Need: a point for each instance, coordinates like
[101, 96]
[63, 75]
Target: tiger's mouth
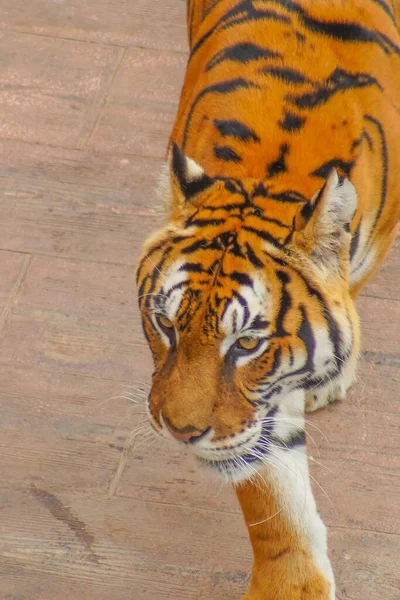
[241, 460]
[247, 452]
[261, 448]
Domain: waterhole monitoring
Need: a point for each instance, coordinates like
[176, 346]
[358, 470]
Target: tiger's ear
[182, 180]
[322, 226]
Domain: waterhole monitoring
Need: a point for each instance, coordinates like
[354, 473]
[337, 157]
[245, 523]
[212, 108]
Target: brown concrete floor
[88, 91]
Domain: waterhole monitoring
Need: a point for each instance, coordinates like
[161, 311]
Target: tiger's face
[245, 312]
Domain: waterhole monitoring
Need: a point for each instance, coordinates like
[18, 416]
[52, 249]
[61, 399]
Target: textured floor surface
[88, 91]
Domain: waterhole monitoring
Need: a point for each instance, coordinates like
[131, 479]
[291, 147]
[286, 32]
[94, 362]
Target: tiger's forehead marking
[244, 307]
[244, 312]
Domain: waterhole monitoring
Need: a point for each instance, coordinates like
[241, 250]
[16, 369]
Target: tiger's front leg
[286, 532]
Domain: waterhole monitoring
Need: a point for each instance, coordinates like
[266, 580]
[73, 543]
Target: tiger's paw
[318, 398]
[298, 592]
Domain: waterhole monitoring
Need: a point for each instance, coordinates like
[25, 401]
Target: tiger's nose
[189, 433]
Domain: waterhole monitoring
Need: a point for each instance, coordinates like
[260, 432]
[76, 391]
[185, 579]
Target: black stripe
[236, 129]
[268, 395]
[316, 382]
[274, 221]
[352, 32]
[355, 240]
[365, 135]
[190, 267]
[230, 207]
[259, 190]
[234, 247]
[276, 363]
[255, 261]
[243, 53]
[306, 334]
[201, 244]
[297, 438]
[175, 287]
[291, 122]
[227, 154]
[325, 169]
[285, 74]
[243, 302]
[291, 355]
[385, 167]
[204, 222]
[177, 239]
[386, 8]
[339, 81]
[254, 15]
[289, 196]
[264, 235]
[284, 305]
[259, 323]
[196, 186]
[241, 278]
[279, 165]
[235, 186]
[223, 87]
[210, 9]
[239, 8]
[243, 12]
[346, 32]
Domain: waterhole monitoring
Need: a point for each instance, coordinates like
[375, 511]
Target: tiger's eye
[164, 322]
[248, 343]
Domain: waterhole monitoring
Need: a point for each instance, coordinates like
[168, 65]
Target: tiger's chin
[237, 462]
[242, 460]
[234, 470]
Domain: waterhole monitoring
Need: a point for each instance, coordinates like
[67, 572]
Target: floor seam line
[85, 141]
[15, 292]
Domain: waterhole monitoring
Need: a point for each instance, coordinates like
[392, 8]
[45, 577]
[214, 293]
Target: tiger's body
[283, 192]
[315, 81]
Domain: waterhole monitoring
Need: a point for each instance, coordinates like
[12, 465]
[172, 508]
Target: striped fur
[282, 188]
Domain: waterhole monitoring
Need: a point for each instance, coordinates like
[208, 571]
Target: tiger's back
[282, 92]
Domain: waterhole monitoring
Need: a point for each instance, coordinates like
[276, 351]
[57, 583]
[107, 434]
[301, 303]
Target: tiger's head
[245, 302]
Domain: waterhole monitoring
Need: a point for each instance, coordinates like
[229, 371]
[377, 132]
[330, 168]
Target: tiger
[281, 186]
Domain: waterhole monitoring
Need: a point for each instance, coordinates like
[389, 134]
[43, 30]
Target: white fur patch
[174, 277]
[170, 304]
[360, 268]
[341, 201]
[193, 170]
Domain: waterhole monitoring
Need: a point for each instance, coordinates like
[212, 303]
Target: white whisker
[156, 268]
[138, 383]
[139, 430]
